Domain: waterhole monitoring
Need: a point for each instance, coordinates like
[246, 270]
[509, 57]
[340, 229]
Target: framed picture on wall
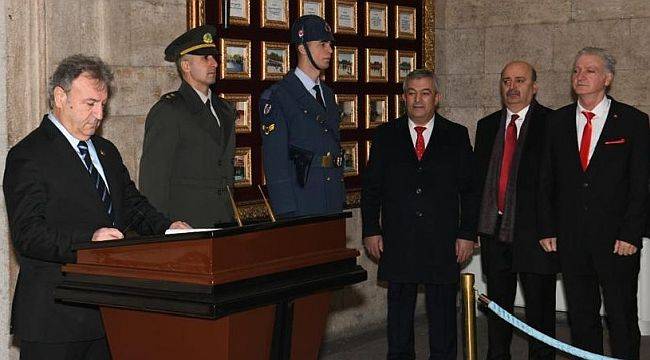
[345, 16]
[376, 65]
[405, 62]
[275, 57]
[239, 12]
[350, 158]
[376, 110]
[376, 19]
[274, 14]
[345, 68]
[312, 7]
[405, 22]
[400, 106]
[242, 164]
[243, 107]
[348, 105]
[235, 59]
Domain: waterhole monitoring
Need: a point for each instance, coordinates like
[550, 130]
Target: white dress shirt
[426, 134]
[597, 123]
[519, 122]
[205, 98]
[308, 83]
[74, 142]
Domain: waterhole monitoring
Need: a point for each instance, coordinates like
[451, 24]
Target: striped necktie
[102, 191]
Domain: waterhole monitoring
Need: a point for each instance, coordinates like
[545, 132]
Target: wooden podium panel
[252, 292]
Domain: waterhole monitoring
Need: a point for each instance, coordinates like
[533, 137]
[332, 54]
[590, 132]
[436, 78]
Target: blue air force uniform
[301, 148]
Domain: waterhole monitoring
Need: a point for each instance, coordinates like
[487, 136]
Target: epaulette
[170, 96]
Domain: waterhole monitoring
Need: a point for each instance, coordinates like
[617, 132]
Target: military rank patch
[267, 129]
[267, 108]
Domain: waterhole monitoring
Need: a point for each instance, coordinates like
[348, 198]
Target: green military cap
[197, 41]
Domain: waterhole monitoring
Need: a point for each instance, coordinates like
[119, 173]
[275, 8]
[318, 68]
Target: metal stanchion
[469, 316]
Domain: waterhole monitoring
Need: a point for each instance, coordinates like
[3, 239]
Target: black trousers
[619, 293]
[77, 350]
[441, 313]
[539, 295]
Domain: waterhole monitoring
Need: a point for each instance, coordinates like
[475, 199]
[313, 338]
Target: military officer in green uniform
[300, 130]
[189, 141]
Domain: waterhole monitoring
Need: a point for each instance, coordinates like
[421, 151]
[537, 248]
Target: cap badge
[207, 38]
[301, 32]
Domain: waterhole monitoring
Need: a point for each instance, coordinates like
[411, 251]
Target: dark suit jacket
[425, 205]
[187, 158]
[297, 120]
[588, 211]
[528, 255]
[51, 205]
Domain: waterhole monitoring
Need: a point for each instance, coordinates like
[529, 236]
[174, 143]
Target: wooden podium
[254, 292]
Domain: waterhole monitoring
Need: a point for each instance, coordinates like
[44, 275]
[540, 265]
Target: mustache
[513, 93]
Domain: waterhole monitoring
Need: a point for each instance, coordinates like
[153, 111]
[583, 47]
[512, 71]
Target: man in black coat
[592, 205]
[63, 186]
[419, 179]
[508, 147]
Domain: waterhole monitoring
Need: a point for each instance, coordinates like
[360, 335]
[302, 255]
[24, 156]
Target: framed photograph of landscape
[243, 169]
[376, 19]
[275, 57]
[348, 105]
[242, 104]
[376, 65]
[345, 16]
[235, 59]
[274, 14]
[345, 67]
[311, 7]
[239, 12]
[405, 62]
[405, 22]
[350, 158]
[376, 110]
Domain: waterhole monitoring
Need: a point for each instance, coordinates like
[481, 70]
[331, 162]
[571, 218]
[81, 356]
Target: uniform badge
[301, 32]
[267, 108]
[207, 38]
[328, 28]
[267, 129]
[101, 152]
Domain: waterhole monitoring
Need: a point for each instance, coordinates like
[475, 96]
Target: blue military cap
[310, 28]
[198, 41]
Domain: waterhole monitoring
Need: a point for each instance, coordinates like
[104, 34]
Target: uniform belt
[328, 161]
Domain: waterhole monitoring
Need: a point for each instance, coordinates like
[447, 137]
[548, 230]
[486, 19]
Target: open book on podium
[258, 291]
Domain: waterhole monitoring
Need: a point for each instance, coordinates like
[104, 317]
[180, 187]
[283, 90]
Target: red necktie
[508, 150]
[585, 143]
[419, 142]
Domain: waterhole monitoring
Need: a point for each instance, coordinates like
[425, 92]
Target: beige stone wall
[476, 38]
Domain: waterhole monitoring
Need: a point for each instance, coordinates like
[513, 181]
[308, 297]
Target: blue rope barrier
[502, 313]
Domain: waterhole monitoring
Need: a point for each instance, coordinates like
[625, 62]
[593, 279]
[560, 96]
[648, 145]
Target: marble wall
[474, 39]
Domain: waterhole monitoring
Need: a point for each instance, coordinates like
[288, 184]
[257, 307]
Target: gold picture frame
[242, 163]
[235, 59]
[243, 108]
[274, 14]
[400, 106]
[350, 158]
[345, 63]
[348, 106]
[275, 60]
[376, 110]
[376, 65]
[376, 19]
[405, 62]
[405, 22]
[345, 17]
[315, 7]
[239, 12]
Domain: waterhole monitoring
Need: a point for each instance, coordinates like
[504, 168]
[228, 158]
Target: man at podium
[64, 185]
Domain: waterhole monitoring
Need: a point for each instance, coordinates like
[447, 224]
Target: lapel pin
[101, 152]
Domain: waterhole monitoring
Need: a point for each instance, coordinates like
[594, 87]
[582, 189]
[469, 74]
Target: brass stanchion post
[469, 316]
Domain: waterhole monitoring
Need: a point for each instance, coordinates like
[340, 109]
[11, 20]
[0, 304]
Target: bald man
[508, 147]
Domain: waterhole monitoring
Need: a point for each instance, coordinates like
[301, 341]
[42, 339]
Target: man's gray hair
[420, 74]
[608, 59]
[72, 67]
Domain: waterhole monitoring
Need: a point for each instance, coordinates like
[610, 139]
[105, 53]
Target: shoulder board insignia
[267, 129]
